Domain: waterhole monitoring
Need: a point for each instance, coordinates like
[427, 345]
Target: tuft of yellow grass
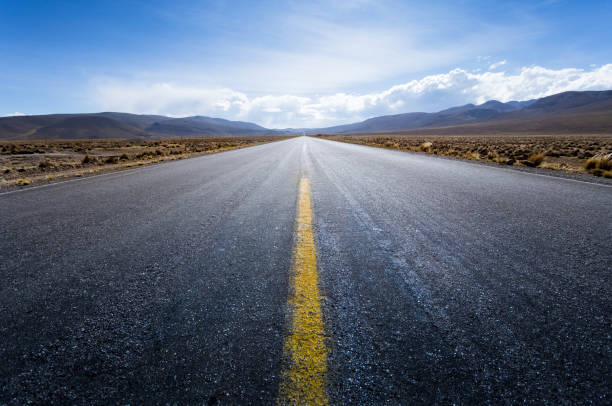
[603, 162]
[600, 165]
[23, 182]
[425, 147]
[537, 159]
[472, 155]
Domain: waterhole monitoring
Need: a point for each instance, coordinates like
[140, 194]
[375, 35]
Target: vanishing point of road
[307, 271]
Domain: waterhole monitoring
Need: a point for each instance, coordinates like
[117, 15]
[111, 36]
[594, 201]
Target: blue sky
[295, 63]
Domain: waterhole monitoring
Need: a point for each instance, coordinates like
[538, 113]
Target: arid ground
[33, 162]
[571, 153]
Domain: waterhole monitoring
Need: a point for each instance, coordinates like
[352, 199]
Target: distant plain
[34, 162]
[589, 154]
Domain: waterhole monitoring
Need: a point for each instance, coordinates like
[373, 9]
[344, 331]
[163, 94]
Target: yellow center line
[304, 376]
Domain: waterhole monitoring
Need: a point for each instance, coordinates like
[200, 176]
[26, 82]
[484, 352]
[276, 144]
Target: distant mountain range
[468, 113]
[122, 125]
[569, 112]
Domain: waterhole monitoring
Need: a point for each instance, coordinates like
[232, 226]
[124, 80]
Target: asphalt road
[443, 282]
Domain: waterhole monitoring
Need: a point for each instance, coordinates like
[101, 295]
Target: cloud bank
[430, 93]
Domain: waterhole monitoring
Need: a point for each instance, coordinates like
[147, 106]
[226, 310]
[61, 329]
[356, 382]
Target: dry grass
[600, 165]
[533, 160]
[44, 161]
[571, 153]
[22, 182]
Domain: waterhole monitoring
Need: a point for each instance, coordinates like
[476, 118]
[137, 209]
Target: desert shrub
[88, 159]
[46, 164]
[390, 144]
[23, 182]
[536, 159]
[603, 163]
[590, 164]
[425, 147]
[553, 154]
[520, 156]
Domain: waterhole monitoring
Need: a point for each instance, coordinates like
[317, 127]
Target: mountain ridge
[122, 125]
[573, 111]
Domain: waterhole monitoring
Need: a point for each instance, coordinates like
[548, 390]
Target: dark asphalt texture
[444, 282]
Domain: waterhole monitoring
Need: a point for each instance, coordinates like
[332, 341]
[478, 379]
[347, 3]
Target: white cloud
[497, 64]
[13, 114]
[430, 93]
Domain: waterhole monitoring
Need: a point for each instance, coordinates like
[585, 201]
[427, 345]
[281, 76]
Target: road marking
[304, 376]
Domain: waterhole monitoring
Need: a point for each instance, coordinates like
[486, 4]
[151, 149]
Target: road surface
[439, 281]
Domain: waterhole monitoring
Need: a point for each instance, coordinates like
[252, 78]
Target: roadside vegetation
[600, 165]
[31, 162]
[570, 153]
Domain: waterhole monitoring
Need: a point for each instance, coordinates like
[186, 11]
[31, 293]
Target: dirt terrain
[571, 153]
[33, 162]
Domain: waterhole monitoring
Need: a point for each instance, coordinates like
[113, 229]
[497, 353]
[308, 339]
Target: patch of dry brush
[26, 162]
[576, 153]
[600, 165]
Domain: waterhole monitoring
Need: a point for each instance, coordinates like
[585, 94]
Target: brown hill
[569, 112]
[81, 127]
[121, 125]
[564, 113]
